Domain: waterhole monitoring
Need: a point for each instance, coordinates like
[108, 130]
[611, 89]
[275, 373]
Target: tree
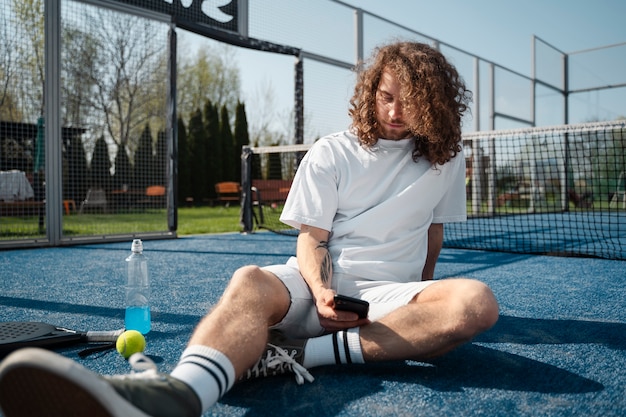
[30, 14]
[608, 161]
[160, 159]
[129, 92]
[229, 172]
[265, 124]
[198, 151]
[242, 138]
[275, 167]
[8, 71]
[257, 171]
[123, 170]
[214, 150]
[210, 74]
[100, 167]
[75, 184]
[80, 57]
[143, 160]
[185, 189]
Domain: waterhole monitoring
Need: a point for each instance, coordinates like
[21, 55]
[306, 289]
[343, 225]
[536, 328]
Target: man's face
[389, 109]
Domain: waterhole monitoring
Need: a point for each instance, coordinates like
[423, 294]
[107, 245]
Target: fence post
[172, 136]
[53, 140]
[299, 100]
[246, 189]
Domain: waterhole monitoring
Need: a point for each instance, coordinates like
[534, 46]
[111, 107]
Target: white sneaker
[281, 356]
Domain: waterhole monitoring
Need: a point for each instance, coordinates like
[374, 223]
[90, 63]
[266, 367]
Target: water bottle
[137, 290]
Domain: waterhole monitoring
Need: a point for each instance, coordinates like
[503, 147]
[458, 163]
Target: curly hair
[433, 97]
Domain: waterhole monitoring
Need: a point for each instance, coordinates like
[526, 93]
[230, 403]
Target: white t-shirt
[377, 203]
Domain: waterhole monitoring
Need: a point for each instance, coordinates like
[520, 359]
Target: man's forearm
[314, 258]
[326, 267]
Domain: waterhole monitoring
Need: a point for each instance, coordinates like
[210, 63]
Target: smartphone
[345, 303]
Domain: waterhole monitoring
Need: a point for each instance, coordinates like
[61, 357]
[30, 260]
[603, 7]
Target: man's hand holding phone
[355, 305]
[335, 316]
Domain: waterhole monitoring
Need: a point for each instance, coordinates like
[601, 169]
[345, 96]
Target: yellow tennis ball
[129, 342]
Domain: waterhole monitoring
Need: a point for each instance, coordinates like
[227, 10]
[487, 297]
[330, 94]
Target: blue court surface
[559, 348]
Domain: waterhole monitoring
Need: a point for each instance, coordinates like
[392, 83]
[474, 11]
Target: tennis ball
[129, 342]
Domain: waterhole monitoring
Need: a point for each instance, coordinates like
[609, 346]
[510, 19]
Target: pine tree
[275, 167]
[228, 147]
[257, 168]
[123, 170]
[197, 149]
[143, 160]
[185, 189]
[214, 150]
[76, 185]
[100, 168]
[242, 137]
[160, 159]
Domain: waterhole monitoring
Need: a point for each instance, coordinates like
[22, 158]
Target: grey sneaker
[36, 382]
[281, 356]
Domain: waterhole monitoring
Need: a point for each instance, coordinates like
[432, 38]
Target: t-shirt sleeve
[313, 197]
[453, 205]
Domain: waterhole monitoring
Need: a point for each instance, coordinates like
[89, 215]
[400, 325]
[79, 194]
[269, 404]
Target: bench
[272, 191]
[22, 208]
[227, 192]
[154, 197]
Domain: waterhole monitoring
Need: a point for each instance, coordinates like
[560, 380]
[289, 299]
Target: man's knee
[253, 287]
[247, 275]
[478, 308]
[482, 306]
[252, 281]
[471, 305]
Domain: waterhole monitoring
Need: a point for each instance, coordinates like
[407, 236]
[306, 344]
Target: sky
[499, 31]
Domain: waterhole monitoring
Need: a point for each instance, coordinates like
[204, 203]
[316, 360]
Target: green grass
[191, 221]
[199, 220]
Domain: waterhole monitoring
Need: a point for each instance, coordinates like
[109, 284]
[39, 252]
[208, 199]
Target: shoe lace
[278, 361]
[142, 368]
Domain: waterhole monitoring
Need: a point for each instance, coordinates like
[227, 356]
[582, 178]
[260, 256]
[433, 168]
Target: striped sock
[342, 347]
[207, 371]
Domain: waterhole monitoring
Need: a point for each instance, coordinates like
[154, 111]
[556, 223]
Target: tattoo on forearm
[323, 244]
[326, 267]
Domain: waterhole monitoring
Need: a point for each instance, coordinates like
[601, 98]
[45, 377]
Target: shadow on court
[470, 368]
[558, 348]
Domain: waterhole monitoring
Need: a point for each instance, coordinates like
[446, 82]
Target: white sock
[335, 348]
[207, 371]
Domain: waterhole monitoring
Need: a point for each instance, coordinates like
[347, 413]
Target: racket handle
[104, 336]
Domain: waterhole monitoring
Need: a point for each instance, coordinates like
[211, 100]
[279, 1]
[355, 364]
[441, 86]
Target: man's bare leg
[254, 300]
[444, 315]
[226, 342]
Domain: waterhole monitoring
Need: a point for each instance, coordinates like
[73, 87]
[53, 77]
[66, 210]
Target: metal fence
[84, 124]
[88, 100]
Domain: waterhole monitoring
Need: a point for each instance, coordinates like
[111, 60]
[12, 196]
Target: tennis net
[557, 190]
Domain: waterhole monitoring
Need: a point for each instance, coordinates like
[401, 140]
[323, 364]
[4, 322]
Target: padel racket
[18, 334]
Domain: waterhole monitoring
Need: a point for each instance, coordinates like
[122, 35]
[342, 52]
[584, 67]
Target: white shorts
[301, 320]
